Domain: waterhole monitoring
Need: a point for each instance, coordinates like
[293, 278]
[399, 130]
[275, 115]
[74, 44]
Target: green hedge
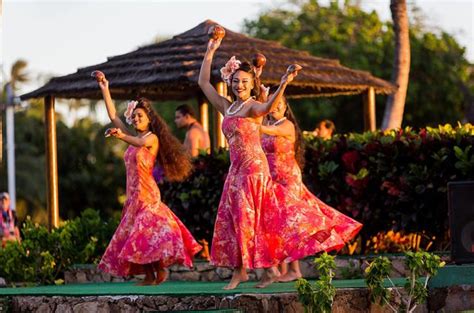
[43, 256]
[386, 180]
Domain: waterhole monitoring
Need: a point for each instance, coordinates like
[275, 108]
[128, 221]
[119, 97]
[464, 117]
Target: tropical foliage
[421, 267]
[439, 87]
[43, 256]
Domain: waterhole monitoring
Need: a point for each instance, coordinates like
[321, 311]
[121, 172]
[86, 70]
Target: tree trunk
[395, 106]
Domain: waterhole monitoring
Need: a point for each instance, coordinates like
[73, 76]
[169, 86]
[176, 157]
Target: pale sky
[57, 37]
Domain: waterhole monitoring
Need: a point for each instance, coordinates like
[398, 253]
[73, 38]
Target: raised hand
[213, 44]
[104, 84]
[290, 74]
[115, 132]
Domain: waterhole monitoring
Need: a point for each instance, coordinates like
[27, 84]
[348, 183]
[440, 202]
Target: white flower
[128, 113]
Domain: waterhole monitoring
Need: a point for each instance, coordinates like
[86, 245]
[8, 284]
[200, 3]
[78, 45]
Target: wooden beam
[51, 163]
[220, 142]
[369, 110]
[204, 112]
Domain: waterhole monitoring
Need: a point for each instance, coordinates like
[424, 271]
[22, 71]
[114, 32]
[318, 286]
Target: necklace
[144, 135]
[229, 110]
[279, 121]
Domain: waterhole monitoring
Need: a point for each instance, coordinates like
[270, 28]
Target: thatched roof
[170, 69]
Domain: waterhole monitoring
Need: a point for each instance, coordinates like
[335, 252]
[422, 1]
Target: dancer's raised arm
[273, 100]
[109, 104]
[219, 102]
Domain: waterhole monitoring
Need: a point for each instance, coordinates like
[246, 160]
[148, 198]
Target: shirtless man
[197, 138]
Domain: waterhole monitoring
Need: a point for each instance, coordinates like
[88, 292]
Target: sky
[58, 37]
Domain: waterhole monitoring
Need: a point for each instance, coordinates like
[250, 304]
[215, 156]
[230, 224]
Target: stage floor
[178, 288]
[449, 275]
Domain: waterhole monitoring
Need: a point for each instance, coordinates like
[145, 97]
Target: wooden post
[204, 113]
[369, 110]
[221, 88]
[51, 163]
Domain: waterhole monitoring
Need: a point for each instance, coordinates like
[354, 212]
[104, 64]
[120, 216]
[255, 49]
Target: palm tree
[17, 76]
[8, 96]
[395, 106]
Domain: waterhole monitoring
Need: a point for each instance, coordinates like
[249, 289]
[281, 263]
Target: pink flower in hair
[128, 113]
[229, 68]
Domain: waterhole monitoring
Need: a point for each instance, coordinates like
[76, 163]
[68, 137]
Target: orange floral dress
[318, 226]
[148, 231]
[242, 236]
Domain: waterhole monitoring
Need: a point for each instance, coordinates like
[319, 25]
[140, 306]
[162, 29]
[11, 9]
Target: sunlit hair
[247, 67]
[299, 143]
[172, 156]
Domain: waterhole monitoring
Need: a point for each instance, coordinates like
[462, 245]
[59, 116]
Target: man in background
[196, 139]
[325, 129]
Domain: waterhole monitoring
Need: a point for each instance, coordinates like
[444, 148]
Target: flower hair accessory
[128, 113]
[229, 68]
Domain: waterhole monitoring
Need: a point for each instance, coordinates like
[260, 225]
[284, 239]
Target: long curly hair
[299, 143]
[172, 155]
[247, 67]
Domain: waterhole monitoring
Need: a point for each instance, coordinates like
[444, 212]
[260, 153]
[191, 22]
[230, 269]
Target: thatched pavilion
[169, 71]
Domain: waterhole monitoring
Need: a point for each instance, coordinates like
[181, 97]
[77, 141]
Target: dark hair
[328, 124]
[185, 109]
[247, 67]
[172, 156]
[299, 143]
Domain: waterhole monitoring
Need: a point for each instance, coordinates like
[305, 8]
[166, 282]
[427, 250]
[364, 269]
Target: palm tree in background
[17, 75]
[393, 115]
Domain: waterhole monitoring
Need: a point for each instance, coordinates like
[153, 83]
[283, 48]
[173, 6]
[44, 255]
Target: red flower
[391, 188]
[357, 184]
[350, 159]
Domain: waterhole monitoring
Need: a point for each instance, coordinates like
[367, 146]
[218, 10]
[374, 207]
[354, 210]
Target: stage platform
[452, 291]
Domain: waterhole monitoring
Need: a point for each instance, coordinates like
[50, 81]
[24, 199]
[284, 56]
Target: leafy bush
[42, 256]
[392, 180]
[386, 180]
[318, 298]
[419, 264]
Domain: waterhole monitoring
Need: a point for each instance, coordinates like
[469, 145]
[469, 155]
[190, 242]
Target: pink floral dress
[242, 234]
[148, 231]
[319, 226]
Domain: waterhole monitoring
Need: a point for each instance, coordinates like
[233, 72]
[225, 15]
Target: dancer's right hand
[104, 84]
[213, 44]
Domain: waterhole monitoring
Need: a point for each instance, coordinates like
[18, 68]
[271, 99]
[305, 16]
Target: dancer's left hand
[116, 132]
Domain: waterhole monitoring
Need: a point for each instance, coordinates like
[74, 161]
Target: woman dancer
[282, 143]
[150, 237]
[241, 232]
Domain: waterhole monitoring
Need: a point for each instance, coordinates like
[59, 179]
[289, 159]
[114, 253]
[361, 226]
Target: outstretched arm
[265, 108]
[286, 129]
[147, 141]
[219, 102]
[109, 104]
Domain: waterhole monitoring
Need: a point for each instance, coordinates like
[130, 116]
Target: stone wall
[452, 299]
[346, 301]
[347, 268]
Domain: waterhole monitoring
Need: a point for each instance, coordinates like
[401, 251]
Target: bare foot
[268, 278]
[290, 276]
[161, 276]
[237, 278]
